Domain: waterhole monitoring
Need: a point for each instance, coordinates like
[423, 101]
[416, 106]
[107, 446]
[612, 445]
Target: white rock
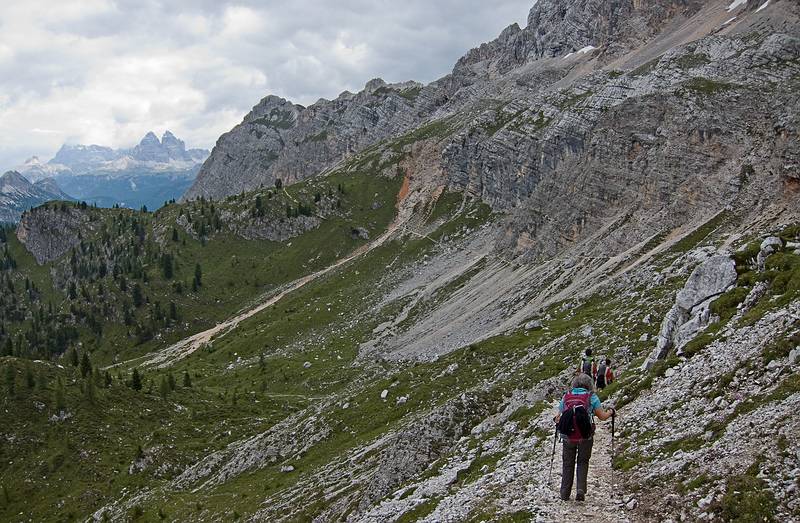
[632, 504]
[307, 365]
[706, 501]
[533, 324]
[287, 468]
[384, 394]
[794, 356]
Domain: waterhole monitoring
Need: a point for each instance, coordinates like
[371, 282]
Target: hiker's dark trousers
[581, 450]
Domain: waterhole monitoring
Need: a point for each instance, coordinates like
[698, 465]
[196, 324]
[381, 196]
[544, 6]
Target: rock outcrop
[49, 232]
[769, 246]
[691, 311]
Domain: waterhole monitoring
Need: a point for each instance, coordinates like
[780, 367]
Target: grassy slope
[235, 271]
[98, 443]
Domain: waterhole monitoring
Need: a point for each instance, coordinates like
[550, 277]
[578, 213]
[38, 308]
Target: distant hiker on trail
[575, 422]
[605, 376]
[588, 366]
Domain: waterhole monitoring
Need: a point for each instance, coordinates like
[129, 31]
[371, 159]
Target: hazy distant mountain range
[148, 174]
[18, 194]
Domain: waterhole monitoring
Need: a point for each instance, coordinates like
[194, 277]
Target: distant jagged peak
[168, 137]
[150, 153]
[374, 84]
[150, 137]
[275, 112]
[13, 177]
[509, 32]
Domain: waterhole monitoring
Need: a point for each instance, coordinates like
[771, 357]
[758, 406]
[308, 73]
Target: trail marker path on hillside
[180, 350]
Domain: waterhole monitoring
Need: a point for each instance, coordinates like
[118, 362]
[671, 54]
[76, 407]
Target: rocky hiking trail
[604, 498]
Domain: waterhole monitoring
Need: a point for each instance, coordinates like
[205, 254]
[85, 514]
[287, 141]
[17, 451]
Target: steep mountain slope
[281, 140]
[386, 341]
[17, 195]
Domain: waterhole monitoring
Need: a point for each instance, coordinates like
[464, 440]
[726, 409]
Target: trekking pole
[552, 457]
[613, 450]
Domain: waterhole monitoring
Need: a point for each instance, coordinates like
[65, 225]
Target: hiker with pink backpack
[575, 423]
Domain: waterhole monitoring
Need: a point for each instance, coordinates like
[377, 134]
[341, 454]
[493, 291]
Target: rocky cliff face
[596, 131]
[281, 140]
[48, 232]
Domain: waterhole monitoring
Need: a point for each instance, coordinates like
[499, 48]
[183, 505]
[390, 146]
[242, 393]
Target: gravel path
[603, 500]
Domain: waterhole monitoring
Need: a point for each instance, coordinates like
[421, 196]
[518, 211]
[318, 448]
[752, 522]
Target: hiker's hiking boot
[564, 496]
[580, 496]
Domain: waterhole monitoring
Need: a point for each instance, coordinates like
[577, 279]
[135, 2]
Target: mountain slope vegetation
[382, 335]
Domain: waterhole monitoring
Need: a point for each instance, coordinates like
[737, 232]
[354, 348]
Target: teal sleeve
[596, 402]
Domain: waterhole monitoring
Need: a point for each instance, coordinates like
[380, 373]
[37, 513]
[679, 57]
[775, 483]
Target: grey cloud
[108, 71]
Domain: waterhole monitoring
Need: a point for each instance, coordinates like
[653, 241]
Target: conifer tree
[86, 365]
[137, 296]
[187, 380]
[41, 381]
[73, 357]
[11, 381]
[167, 266]
[30, 379]
[163, 388]
[59, 396]
[136, 380]
[90, 391]
[198, 276]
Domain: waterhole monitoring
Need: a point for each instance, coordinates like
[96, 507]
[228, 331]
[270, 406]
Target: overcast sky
[106, 72]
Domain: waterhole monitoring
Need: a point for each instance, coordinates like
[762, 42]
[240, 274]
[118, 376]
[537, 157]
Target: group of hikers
[575, 422]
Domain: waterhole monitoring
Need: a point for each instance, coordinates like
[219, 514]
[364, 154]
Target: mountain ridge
[18, 194]
[152, 152]
[148, 174]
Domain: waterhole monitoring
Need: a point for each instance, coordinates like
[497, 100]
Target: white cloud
[97, 71]
[240, 21]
